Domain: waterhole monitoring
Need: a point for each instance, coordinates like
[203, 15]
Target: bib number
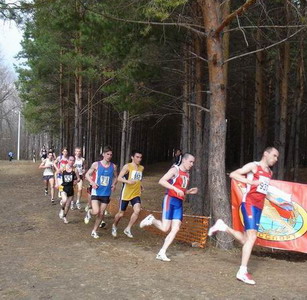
[67, 178]
[136, 175]
[184, 182]
[104, 180]
[264, 185]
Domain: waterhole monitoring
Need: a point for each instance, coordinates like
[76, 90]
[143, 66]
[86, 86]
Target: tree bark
[217, 179]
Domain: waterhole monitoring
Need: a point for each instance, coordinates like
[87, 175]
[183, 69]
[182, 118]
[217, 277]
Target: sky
[10, 38]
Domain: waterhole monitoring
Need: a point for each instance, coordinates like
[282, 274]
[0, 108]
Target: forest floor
[42, 258]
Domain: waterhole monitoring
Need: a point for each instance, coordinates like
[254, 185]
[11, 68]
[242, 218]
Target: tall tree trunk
[217, 180]
[259, 119]
[285, 66]
[123, 139]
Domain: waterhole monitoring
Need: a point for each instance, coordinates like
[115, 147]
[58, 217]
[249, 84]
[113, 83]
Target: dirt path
[42, 258]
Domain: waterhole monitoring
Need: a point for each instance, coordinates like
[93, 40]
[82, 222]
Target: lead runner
[256, 176]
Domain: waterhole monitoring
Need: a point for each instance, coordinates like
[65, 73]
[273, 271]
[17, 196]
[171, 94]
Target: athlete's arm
[121, 175]
[240, 173]
[192, 191]
[114, 182]
[89, 174]
[42, 165]
[172, 172]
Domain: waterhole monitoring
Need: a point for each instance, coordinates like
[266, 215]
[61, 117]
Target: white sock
[243, 270]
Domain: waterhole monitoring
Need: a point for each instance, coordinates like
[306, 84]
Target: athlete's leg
[163, 225]
[79, 193]
[134, 216]
[100, 216]
[175, 227]
[117, 217]
[51, 183]
[251, 236]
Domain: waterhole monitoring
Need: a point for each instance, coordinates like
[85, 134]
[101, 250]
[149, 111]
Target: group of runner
[66, 171]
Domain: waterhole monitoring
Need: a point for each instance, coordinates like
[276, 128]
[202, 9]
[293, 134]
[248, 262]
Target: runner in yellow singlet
[131, 176]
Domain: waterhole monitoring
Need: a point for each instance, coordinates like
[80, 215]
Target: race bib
[264, 185]
[184, 182]
[136, 175]
[68, 178]
[104, 180]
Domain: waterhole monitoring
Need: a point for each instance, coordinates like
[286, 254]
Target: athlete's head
[71, 160]
[107, 153]
[78, 151]
[136, 156]
[65, 151]
[178, 152]
[50, 155]
[270, 156]
[187, 161]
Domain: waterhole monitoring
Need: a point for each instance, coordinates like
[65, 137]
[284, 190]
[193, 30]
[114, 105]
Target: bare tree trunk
[217, 180]
[259, 119]
[123, 140]
[285, 65]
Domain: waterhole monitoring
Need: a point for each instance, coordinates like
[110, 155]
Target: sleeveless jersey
[180, 181]
[79, 164]
[49, 170]
[255, 195]
[103, 177]
[130, 191]
[68, 178]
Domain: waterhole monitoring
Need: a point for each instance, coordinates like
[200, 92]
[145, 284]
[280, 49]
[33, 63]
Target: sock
[243, 270]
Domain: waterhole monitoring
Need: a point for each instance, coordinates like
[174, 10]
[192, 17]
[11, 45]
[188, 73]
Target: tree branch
[236, 13]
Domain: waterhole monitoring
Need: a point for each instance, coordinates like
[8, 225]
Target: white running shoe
[78, 204]
[218, 226]
[95, 235]
[245, 277]
[61, 213]
[46, 192]
[72, 207]
[114, 231]
[102, 224]
[65, 220]
[162, 256]
[86, 208]
[86, 219]
[147, 221]
[128, 233]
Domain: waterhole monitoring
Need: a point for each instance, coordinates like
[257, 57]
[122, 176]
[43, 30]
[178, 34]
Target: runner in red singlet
[256, 176]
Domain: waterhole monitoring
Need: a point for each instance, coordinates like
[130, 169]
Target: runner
[102, 176]
[43, 153]
[131, 176]
[80, 166]
[60, 163]
[69, 178]
[256, 176]
[48, 174]
[10, 155]
[176, 181]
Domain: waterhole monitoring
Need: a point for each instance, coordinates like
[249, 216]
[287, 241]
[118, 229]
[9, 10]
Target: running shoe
[72, 207]
[61, 213]
[52, 201]
[46, 192]
[95, 235]
[162, 256]
[114, 231]
[218, 226]
[86, 208]
[87, 218]
[147, 221]
[128, 233]
[102, 224]
[65, 220]
[245, 277]
[78, 204]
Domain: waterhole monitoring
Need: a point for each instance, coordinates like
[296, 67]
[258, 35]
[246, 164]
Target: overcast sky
[10, 37]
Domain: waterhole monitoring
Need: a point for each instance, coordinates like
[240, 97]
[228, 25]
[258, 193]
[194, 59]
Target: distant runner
[48, 174]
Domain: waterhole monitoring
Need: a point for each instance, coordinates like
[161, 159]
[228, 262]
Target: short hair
[269, 149]
[49, 152]
[133, 152]
[79, 148]
[64, 148]
[106, 149]
[187, 155]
